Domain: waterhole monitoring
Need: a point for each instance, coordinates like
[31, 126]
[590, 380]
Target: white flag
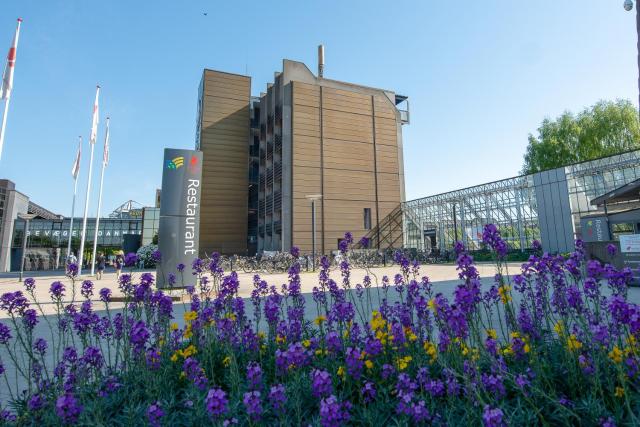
[7, 76]
[105, 154]
[94, 122]
[76, 164]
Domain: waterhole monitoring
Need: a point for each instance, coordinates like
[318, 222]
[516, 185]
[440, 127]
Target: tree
[605, 129]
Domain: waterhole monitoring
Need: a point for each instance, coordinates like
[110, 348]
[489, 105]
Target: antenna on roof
[320, 61]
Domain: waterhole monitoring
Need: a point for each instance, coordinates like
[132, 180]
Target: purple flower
[7, 416]
[252, 404]
[364, 242]
[333, 413]
[195, 373]
[156, 256]
[92, 357]
[612, 249]
[13, 302]
[536, 245]
[68, 408]
[130, 259]
[180, 267]
[86, 288]
[321, 383]
[278, 397]
[29, 318]
[105, 295]
[36, 402]
[40, 346]
[72, 269]
[139, 335]
[29, 284]
[254, 375]
[155, 414]
[492, 417]
[5, 333]
[294, 251]
[56, 290]
[217, 402]
[368, 392]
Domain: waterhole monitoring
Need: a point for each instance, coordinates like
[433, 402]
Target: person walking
[119, 263]
[100, 261]
[71, 259]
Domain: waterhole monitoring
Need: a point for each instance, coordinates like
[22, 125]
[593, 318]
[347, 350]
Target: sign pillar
[179, 228]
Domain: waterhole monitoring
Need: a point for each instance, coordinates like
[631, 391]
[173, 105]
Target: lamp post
[26, 218]
[313, 198]
[628, 5]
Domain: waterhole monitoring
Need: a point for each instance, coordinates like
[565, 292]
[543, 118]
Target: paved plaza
[436, 273]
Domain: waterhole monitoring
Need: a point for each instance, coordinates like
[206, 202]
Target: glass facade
[150, 224]
[47, 239]
[512, 205]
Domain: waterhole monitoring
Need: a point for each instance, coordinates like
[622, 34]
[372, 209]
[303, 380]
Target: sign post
[179, 228]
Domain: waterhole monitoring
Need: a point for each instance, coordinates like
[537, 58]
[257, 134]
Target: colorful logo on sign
[193, 164]
[176, 163]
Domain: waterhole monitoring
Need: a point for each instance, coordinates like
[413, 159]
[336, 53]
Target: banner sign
[179, 226]
[630, 243]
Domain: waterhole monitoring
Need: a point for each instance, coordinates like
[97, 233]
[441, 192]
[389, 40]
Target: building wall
[345, 147]
[12, 203]
[223, 135]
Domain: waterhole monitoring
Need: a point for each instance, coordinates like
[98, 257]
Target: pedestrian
[100, 261]
[119, 263]
[71, 258]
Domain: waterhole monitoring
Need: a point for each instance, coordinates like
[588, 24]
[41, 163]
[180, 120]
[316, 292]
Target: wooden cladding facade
[345, 147]
[224, 129]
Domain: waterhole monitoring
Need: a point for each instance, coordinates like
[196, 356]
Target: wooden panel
[224, 142]
[387, 158]
[388, 187]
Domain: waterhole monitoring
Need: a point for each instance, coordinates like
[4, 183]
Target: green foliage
[605, 129]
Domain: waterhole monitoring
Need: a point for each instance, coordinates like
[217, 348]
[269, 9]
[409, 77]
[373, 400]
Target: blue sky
[480, 76]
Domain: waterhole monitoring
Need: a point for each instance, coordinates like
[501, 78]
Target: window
[367, 218]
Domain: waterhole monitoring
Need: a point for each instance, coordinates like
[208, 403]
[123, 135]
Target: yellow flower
[187, 332]
[559, 327]
[174, 357]
[346, 333]
[261, 335]
[174, 326]
[341, 371]
[409, 334]
[507, 351]
[231, 316]
[320, 352]
[161, 342]
[189, 351]
[320, 319]
[619, 392]
[280, 339]
[504, 293]
[306, 343]
[368, 364]
[616, 354]
[377, 322]
[432, 304]
[631, 341]
[226, 361]
[431, 349]
[190, 315]
[573, 343]
[403, 362]
[491, 333]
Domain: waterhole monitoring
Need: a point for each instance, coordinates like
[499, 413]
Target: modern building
[306, 135]
[549, 206]
[128, 227]
[12, 204]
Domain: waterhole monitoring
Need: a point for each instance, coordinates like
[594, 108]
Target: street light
[313, 198]
[26, 218]
[628, 5]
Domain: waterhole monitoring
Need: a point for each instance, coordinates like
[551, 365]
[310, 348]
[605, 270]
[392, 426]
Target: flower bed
[555, 344]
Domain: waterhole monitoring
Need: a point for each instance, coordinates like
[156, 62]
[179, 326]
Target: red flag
[94, 121]
[7, 76]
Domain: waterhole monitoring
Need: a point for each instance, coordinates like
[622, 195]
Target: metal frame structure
[512, 205]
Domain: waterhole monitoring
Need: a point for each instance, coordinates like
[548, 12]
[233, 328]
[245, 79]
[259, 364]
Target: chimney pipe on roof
[320, 61]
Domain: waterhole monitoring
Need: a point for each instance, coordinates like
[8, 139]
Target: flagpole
[92, 142]
[73, 205]
[5, 113]
[7, 83]
[104, 163]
